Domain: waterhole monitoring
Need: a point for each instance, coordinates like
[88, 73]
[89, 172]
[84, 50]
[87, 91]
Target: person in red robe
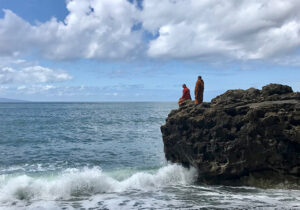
[185, 94]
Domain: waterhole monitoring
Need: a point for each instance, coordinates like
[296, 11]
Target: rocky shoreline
[242, 137]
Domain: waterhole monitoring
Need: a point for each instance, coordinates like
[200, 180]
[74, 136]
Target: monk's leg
[180, 101]
[201, 97]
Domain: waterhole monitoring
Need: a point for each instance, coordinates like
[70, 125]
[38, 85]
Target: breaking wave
[88, 181]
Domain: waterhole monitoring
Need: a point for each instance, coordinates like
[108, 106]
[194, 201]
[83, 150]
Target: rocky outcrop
[243, 137]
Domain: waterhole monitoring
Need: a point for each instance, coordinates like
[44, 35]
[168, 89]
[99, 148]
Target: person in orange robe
[185, 94]
[199, 89]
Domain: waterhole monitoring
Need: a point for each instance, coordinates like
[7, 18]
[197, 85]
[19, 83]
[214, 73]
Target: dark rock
[276, 89]
[241, 137]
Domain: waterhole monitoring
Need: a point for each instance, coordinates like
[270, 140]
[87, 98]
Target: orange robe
[199, 89]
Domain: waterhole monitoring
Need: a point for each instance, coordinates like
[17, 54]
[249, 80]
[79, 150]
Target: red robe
[186, 94]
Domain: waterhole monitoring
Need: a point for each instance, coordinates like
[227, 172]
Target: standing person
[185, 94]
[199, 89]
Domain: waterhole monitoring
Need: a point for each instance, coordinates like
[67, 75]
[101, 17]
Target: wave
[88, 181]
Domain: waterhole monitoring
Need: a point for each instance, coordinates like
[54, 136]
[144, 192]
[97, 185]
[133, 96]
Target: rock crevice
[241, 136]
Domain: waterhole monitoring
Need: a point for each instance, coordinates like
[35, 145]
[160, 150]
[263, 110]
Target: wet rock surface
[243, 137]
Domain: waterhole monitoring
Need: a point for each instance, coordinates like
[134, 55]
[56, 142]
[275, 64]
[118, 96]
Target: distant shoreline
[7, 100]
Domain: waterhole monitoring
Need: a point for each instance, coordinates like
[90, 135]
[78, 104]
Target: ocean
[106, 156]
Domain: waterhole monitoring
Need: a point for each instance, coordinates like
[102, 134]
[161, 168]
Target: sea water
[106, 156]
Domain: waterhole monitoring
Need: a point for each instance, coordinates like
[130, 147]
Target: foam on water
[86, 182]
[169, 187]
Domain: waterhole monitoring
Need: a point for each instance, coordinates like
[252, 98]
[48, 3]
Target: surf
[72, 183]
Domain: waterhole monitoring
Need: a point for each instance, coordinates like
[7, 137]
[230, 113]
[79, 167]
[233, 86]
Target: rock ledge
[243, 137]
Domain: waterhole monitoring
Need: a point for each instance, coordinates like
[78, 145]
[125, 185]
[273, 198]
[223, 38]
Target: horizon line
[85, 101]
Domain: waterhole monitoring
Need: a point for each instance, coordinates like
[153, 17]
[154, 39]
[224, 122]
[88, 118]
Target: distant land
[10, 100]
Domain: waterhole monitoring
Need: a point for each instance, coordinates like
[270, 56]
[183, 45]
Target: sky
[144, 50]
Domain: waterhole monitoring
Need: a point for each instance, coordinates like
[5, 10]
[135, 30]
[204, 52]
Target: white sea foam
[87, 182]
[166, 188]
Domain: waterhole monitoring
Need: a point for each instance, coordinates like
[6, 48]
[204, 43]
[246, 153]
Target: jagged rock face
[240, 136]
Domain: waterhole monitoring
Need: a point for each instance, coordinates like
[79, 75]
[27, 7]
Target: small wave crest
[88, 181]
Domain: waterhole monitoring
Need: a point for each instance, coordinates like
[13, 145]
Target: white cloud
[183, 29]
[291, 60]
[3, 88]
[93, 29]
[210, 28]
[15, 62]
[21, 87]
[33, 89]
[31, 74]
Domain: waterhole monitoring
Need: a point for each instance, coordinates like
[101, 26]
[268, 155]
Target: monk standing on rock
[199, 89]
[185, 95]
